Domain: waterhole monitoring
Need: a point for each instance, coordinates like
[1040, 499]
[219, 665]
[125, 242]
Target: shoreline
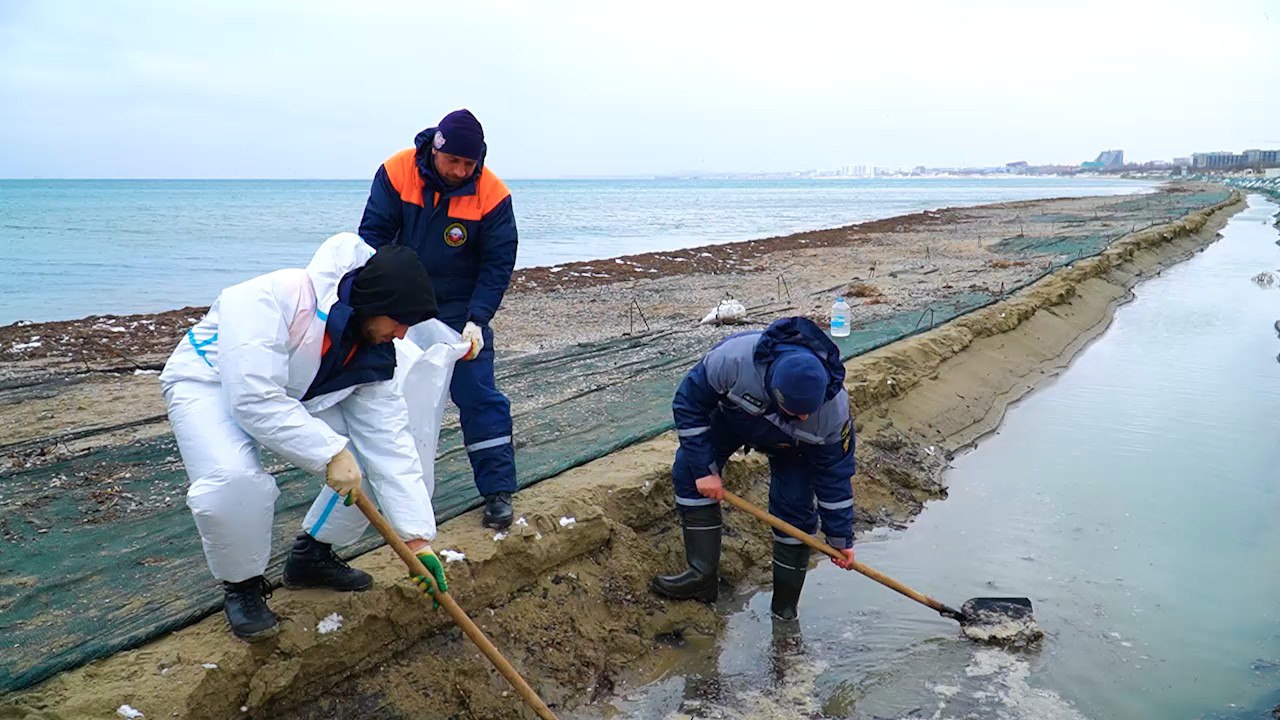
[717, 257]
[547, 590]
[536, 275]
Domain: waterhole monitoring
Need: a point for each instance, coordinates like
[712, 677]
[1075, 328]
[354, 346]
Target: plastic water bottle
[841, 316]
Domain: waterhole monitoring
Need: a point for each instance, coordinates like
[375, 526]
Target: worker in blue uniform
[439, 199]
[781, 392]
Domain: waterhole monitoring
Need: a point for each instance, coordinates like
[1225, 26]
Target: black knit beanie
[395, 284]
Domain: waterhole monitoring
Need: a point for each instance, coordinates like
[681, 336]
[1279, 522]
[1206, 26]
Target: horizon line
[746, 175]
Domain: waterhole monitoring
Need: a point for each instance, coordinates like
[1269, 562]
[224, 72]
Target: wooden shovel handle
[804, 537]
[455, 611]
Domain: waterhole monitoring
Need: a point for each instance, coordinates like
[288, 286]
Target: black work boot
[245, 605]
[701, 527]
[498, 511]
[790, 563]
[313, 564]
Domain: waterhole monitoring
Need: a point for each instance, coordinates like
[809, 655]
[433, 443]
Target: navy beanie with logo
[798, 381]
[459, 133]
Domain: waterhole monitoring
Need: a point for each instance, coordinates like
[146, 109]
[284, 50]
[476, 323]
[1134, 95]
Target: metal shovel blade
[992, 611]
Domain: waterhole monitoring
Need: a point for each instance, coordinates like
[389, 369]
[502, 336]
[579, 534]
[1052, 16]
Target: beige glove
[474, 335]
[343, 475]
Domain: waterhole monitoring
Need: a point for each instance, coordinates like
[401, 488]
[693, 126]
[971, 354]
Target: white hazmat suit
[234, 385]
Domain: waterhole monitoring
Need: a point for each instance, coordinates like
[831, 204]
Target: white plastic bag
[728, 312]
[422, 376]
[424, 368]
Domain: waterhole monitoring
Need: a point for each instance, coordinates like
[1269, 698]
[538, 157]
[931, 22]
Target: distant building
[1017, 168]
[1262, 157]
[1106, 160]
[856, 171]
[1182, 161]
[1222, 159]
[1110, 158]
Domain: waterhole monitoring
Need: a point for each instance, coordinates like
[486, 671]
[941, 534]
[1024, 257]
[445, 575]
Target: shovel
[977, 612]
[457, 613]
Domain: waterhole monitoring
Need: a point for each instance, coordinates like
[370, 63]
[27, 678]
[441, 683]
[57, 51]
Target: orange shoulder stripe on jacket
[489, 192]
[402, 170]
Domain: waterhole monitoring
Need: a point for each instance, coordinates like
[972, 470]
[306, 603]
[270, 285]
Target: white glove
[474, 335]
[343, 475]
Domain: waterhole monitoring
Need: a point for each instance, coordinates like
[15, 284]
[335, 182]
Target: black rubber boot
[313, 564]
[787, 651]
[790, 563]
[498, 511]
[701, 527]
[245, 606]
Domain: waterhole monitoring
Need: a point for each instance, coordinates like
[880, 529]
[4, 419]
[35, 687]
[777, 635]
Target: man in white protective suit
[303, 363]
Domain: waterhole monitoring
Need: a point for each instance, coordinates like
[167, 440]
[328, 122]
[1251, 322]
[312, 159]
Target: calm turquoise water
[77, 247]
[1135, 500]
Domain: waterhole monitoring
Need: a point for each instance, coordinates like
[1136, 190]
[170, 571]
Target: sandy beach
[550, 593]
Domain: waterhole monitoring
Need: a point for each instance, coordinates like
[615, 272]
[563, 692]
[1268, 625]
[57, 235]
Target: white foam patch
[946, 690]
[210, 666]
[567, 521]
[125, 711]
[1007, 687]
[795, 699]
[522, 523]
[452, 556]
[332, 623]
[1003, 630]
[500, 536]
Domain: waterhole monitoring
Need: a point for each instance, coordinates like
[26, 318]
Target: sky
[240, 89]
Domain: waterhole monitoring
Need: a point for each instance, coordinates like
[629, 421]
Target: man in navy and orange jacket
[439, 199]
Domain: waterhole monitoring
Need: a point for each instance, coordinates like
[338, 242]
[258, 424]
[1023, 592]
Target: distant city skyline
[1207, 160]
[1106, 160]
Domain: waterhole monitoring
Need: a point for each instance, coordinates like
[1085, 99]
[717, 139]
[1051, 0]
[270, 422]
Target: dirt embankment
[565, 595]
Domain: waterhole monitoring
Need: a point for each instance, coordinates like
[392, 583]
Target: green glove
[436, 568]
